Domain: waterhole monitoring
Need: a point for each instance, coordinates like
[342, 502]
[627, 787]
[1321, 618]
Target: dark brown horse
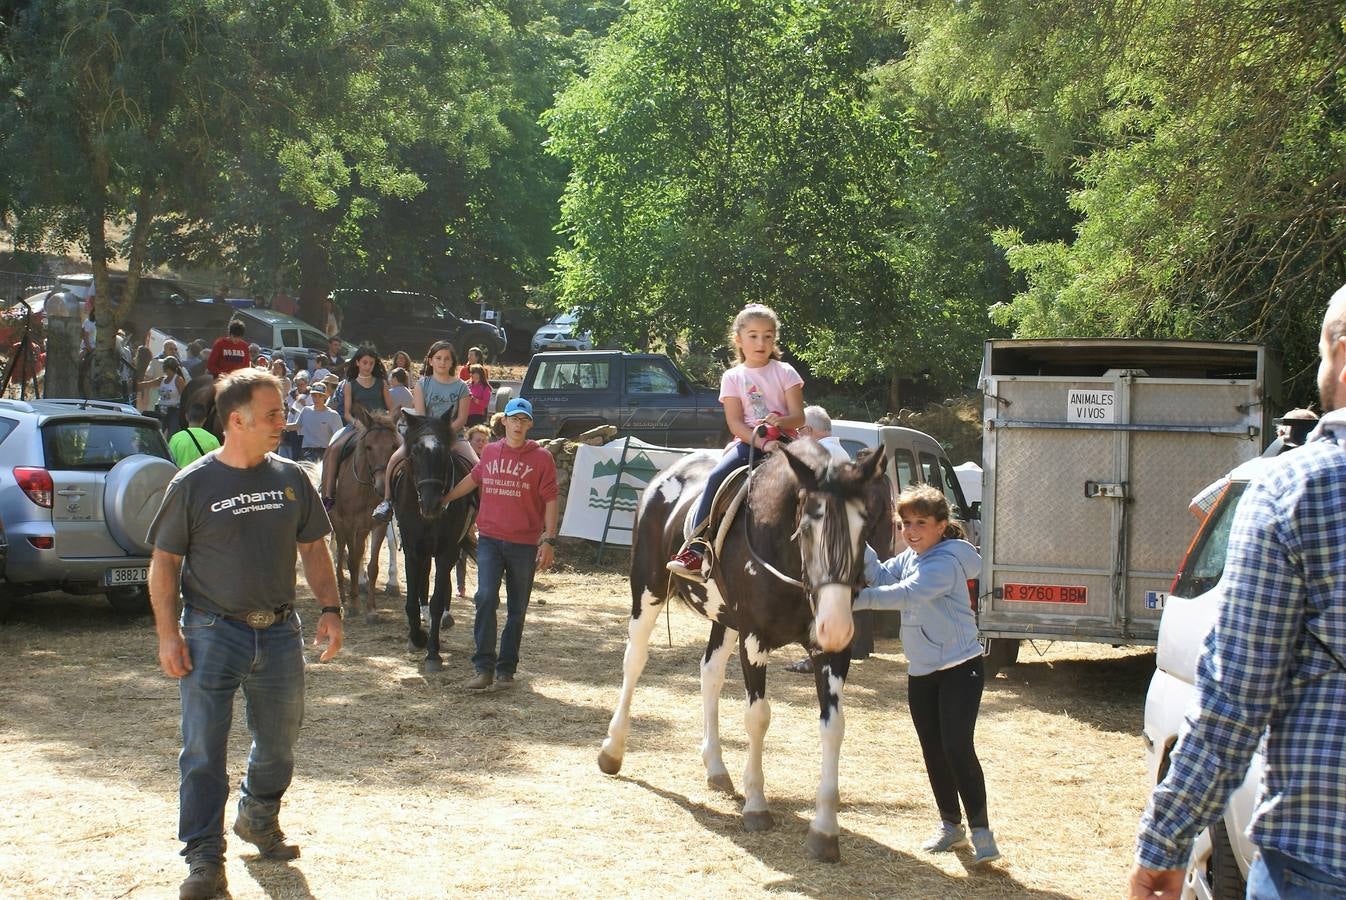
[359, 488]
[786, 574]
[431, 532]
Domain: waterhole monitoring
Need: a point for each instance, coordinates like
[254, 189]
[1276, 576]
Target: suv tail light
[36, 483]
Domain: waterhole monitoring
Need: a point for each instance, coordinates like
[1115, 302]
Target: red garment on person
[516, 486]
[227, 355]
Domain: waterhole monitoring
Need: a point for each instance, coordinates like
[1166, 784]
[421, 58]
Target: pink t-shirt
[761, 390]
[516, 486]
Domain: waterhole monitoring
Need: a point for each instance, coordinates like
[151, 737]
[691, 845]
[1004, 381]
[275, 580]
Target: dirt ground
[408, 786]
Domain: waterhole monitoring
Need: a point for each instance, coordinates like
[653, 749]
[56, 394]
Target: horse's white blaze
[712, 682]
[833, 625]
[831, 728]
[757, 720]
[429, 442]
[756, 655]
[633, 663]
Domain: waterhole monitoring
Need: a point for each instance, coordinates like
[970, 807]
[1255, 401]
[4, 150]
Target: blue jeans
[268, 664]
[515, 564]
[1275, 876]
[734, 457]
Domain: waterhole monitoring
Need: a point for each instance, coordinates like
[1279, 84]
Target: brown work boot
[269, 839]
[206, 880]
[479, 682]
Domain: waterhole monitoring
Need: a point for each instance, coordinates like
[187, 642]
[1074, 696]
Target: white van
[914, 457]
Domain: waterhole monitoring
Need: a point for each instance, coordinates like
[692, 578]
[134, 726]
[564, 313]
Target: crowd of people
[1272, 667]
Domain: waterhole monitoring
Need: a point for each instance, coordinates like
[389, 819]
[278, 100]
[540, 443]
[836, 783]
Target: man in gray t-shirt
[225, 539]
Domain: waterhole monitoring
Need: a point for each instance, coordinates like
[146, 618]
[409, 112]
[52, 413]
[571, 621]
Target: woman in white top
[170, 396]
[147, 372]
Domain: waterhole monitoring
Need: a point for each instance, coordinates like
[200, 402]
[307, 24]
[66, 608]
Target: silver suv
[80, 482]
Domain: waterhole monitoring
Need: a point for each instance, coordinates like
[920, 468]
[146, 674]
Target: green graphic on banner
[621, 496]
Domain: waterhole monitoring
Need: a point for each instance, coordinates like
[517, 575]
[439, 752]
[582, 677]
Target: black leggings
[944, 710]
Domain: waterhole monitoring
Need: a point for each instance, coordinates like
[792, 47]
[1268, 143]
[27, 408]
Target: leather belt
[263, 618]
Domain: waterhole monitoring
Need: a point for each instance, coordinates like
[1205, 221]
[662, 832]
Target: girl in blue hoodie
[928, 583]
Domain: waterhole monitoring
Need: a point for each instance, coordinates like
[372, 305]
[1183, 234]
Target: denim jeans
[1275, 876]
[515, 564]
[734, 457]
[268, 664]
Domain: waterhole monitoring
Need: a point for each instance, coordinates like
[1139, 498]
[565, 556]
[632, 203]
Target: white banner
[594, 487]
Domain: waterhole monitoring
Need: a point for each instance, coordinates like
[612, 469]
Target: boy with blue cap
[516, 531]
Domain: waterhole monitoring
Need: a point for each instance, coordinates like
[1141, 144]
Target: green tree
[107, 109]
[1210, 146]
[724, 152]
[776, 151]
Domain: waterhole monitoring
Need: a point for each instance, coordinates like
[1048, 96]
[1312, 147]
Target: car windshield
[99, 444]
[1205, 561]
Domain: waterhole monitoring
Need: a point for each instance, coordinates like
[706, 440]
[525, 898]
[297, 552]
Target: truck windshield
[1205, 561]
[560, 375]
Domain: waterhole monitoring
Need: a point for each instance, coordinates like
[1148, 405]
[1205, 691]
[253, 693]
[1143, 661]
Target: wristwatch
[336, 610]
[547, 540]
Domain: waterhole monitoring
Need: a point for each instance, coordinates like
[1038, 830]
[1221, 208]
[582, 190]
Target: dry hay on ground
[409, 787]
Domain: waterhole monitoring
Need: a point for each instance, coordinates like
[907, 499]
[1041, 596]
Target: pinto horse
[359, 487]
[786, 574]
[431, 531]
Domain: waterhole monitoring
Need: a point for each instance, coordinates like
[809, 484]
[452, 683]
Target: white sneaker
[983, 841]
[949, 837]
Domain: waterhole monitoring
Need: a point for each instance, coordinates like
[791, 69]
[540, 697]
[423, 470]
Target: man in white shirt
[818, 425]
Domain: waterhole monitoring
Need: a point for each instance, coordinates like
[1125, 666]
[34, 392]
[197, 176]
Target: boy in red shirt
[516, 531]
[229, 353]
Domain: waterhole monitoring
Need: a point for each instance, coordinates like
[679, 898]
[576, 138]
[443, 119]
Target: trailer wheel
[1000, 652]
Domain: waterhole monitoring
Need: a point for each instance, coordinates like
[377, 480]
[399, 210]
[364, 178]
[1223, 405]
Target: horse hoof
[823, 847]
[392, 590]
[445, 622]
[758, 821]
[433, 664]
[371, 618]
[418, 640]
[608, 765]
[721, 782]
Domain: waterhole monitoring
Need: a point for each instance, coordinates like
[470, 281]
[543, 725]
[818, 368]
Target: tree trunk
[894, 391]
[315, 280]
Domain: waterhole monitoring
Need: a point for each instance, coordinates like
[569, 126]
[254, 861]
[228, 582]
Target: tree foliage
[775, 151]
[1210, 146]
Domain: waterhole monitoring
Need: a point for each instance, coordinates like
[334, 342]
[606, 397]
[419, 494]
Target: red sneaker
[687, 564]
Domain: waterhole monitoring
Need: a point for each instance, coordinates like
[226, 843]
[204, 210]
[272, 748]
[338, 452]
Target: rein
[747, 536]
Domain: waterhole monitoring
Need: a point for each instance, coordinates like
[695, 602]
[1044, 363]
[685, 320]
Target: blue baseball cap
[519, 407]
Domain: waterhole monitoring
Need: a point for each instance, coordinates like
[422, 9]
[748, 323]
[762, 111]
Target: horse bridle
[809, 592]
[355, 471]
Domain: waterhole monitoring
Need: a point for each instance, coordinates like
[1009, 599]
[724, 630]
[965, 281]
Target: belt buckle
[260, 618]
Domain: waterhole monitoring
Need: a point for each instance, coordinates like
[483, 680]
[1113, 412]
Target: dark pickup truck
[644, 394]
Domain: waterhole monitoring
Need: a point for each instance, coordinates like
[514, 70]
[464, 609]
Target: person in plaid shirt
[1273, 665]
